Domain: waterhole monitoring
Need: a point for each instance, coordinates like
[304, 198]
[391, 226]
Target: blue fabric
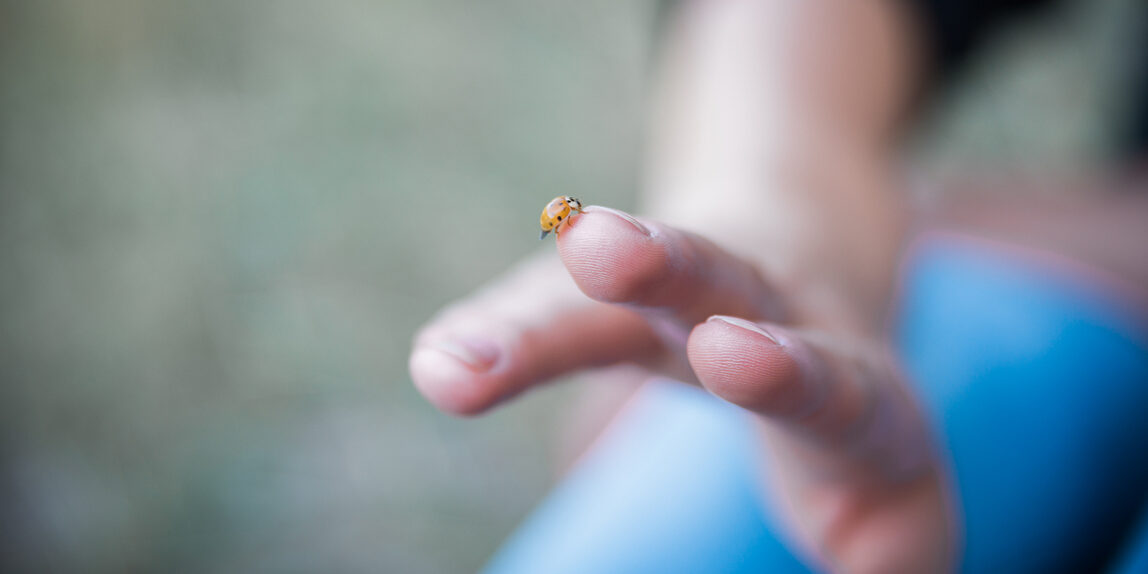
[1037, 385]
[1134, 559]
[672, 486]
[1039, 382]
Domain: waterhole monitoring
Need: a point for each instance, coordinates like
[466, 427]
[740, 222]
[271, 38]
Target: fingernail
[478, 354]
[623, 216]
[747, 325]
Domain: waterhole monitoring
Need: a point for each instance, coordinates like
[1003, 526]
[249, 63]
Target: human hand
[849, 449]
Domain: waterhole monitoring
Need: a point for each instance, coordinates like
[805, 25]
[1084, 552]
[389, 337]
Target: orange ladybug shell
[558, 212]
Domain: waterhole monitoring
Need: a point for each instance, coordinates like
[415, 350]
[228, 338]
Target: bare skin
[762, 273]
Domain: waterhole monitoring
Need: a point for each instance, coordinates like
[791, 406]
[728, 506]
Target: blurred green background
[221, 222]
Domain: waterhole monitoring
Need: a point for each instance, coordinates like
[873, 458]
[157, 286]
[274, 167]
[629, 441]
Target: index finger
[663, 272]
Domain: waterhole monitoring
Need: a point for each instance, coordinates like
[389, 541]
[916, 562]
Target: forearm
[791, 111]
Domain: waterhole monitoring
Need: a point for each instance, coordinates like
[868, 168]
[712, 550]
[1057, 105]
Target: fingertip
[450, 383]
[747, 365]
[612, 256]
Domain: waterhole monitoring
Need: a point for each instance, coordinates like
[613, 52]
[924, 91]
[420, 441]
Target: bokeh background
[221, 222]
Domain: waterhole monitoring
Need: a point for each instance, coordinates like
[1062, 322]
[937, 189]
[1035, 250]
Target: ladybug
[557, 212]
